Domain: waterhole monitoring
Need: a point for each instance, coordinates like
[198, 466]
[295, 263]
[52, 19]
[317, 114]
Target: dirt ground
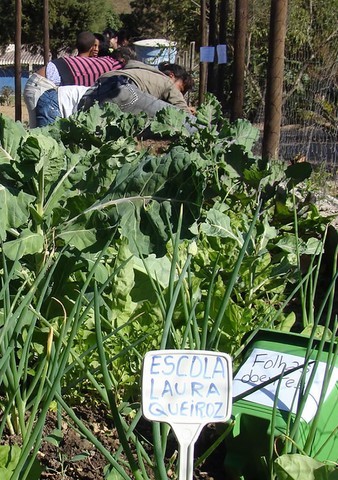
[9, 111]
[68, 456]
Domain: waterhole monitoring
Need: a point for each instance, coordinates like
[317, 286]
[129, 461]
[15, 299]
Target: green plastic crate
[252, 429]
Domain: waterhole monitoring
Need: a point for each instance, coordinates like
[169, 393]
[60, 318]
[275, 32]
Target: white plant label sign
[186, 386]
[186, 389]
[263, 364]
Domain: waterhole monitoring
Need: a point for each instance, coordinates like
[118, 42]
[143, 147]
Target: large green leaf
[157, 268]
[9, 456]
[78, 237]
[170, 121]
[244, 134]
[218, 224]
[301, 467]
[14, 211]
[209, 113]
[145, 228]
[166, 174]
[147, 193]
[28, 243]
[62, 189]
[298, 172]
[11, 134]
[40, 152]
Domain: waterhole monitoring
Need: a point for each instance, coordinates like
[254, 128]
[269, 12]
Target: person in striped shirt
[81, 71]
[72, 70]
[85, 44]
[63, 101]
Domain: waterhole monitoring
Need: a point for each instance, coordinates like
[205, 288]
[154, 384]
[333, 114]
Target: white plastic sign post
[186, 389]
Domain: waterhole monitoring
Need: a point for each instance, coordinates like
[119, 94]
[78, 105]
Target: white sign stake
[186, 436]
[186, 389]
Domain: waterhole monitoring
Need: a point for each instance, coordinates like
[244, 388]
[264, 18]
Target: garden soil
[74, 458]
[9, 111]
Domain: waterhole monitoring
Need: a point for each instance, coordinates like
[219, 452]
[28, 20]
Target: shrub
[5, 95]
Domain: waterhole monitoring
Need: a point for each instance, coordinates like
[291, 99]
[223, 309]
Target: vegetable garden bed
[112, 246]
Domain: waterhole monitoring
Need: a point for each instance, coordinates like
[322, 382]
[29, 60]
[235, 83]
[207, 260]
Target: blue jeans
[35, 87]
[47, 108]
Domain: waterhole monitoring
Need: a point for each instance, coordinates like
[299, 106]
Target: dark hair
[179, 73]
[84, 42]
[104, 44]
[122, 37]
[109, 33]
[124, 54]
[99, 36]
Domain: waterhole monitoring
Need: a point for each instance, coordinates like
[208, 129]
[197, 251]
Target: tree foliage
[66, 19]
[310, 50]
[177, 20]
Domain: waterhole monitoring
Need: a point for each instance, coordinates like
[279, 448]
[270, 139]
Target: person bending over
[180, 76]
[182, 79]
[136, 88]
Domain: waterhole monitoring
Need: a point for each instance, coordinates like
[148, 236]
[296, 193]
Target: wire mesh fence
[309, 127]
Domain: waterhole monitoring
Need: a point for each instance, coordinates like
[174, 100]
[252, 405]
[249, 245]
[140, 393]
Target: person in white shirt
[55, 103]
[61, 99]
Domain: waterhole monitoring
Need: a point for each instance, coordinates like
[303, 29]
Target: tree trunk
[223, 26]
[212, 66]
[241, 26]
[275, 73]
[46, 31]
[203, 65]
[17, 60]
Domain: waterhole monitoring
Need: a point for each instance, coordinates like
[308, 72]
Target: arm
[42, 71]
[176, 98]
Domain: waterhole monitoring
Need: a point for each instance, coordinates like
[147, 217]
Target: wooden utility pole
[223, 26]
[17, 60]
[275, 74]
[212, 66]
[46, 31]
[241, 27]
[203, 65]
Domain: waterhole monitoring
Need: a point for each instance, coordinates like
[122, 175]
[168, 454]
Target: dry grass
[9, 111]
[123, 6]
